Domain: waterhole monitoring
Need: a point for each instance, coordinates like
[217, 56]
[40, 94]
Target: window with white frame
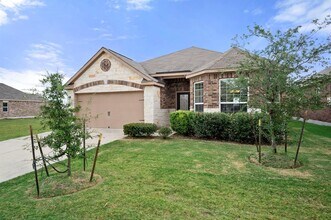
[5, 106]
[198, 97]
[233, 98]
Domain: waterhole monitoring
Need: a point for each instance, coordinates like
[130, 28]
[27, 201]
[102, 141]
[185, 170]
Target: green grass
[13, 128]
[186, 179]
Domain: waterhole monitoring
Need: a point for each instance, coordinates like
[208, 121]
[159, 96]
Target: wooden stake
[300, 140]
[84, 148]
[286, 138]
[259, 140]
[34, 165]
[95, 157]
[42, 154]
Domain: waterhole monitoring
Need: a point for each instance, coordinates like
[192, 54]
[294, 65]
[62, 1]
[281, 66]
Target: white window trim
[6, 107]
[197, 103]
[219, 95]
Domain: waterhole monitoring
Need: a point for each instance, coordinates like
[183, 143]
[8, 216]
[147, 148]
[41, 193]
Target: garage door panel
[111, 110]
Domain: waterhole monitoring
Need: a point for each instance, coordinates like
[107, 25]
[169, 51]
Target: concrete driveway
[16, 156]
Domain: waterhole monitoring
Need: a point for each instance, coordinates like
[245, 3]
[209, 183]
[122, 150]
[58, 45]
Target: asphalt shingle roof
[10, 93]
[189, 60]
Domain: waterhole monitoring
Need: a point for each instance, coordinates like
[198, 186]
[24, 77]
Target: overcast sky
[37, 36]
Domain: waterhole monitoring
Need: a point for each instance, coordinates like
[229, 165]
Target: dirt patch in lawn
[58, 184]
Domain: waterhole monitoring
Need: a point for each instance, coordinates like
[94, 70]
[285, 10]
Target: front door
[183, 100]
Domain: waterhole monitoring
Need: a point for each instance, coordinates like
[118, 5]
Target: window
[232, 97]
[5, 106]
[198, 97]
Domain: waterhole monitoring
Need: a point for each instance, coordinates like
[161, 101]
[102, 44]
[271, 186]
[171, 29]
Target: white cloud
[46, 55]
[12, 9]
[22, 80]
[139, 5]
[256, 11]
[302, 12]
[131, 5]
[41, 58]
[3, 17]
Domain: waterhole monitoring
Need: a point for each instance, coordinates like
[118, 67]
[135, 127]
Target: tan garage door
[112, 110]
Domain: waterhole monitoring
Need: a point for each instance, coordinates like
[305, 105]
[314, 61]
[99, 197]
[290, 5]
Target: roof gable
[140, 70]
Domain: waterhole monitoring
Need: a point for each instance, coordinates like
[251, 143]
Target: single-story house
[113, 89]
[17, 104]
[325, 113]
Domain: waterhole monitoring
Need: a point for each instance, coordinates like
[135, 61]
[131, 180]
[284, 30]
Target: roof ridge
[180, 51]
[120, 54]
[207, 49]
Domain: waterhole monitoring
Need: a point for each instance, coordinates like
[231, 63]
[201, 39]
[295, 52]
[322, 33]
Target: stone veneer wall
[169, 92]
[210, 89]
[152, 107]
[17, 109]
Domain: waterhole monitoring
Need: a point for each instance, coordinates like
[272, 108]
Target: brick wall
[21, 109]
[320, 115]
[210, 89]
[169, 92]
[323, 114]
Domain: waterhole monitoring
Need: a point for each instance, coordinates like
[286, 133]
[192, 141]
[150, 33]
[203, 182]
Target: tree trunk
[272, 133]
[69, 165]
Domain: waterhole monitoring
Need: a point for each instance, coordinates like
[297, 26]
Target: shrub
[239, 127]
[242, 128]
[164, 132]
[139, 129]
[181, 122]
[211, 125]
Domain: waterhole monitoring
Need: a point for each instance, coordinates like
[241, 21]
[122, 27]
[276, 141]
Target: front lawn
[13, 128]
[185, 179]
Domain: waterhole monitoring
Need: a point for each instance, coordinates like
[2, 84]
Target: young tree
[275, 74]
[58, 115]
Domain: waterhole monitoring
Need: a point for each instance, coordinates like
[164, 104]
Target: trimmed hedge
[164, 132]
[181, 122]
[238, 127]
[139, 129]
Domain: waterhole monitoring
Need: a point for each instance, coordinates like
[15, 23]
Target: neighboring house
[17, 104]
[113, 90]
[325, 113]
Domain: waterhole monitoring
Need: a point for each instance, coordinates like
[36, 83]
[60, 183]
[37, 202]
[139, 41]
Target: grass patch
[185, 179]
[280, 160]
[13, 128]
[59, 184]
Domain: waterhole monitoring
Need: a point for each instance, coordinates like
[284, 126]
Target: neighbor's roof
[325, 71]
[10, 93]
[187, 60]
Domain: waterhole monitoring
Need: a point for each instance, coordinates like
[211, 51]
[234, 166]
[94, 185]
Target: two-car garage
[111, 110]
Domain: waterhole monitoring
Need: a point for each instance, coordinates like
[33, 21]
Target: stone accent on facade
[89, 84]
[170, 90]
[152, 107]
[211, 110]
[210, 88]
[125, 83]
[109, 82]
[20, 109]
[118, 71]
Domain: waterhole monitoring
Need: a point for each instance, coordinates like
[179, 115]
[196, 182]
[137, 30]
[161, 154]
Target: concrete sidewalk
[16, 156]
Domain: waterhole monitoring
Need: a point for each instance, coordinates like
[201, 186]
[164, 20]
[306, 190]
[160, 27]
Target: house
[325, 113]
[17, 104]
[113, 90]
